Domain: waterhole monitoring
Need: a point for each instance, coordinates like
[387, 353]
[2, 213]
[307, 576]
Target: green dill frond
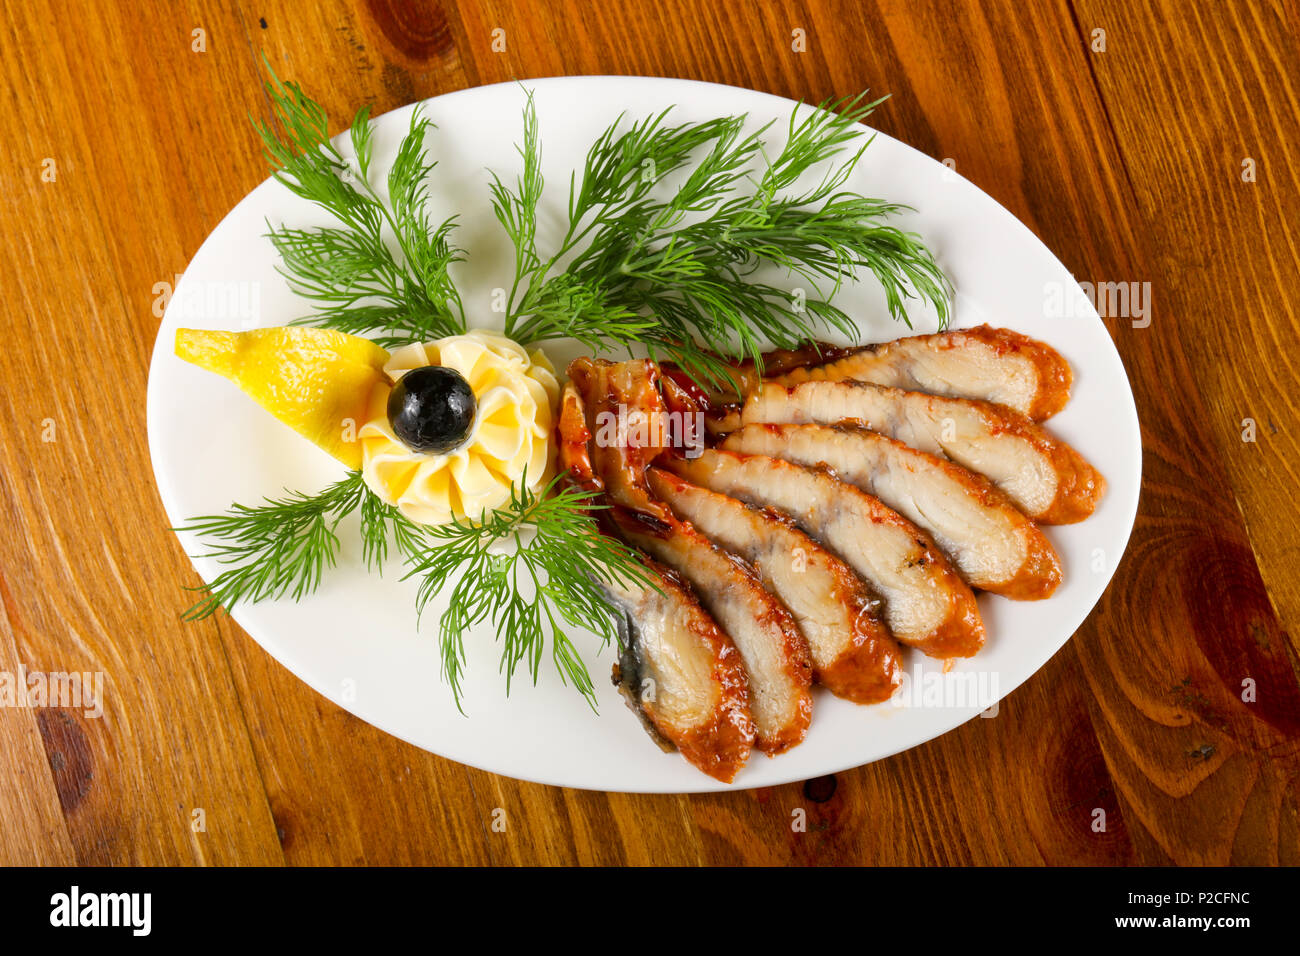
[684, 257]
[280, 547]
[532, 569]
[386, 267]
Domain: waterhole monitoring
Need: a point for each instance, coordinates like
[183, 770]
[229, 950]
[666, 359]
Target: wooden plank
[34, 832]
[1126, 163]
[1212, 145]
[1211, 775]
[90, 567]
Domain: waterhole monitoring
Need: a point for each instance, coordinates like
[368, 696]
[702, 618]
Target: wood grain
[1127, 162]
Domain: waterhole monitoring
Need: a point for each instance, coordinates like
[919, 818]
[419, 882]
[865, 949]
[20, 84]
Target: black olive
[431, 409]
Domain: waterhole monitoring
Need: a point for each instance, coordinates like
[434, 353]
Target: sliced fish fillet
[1045, 478]
[853, 654]
[681, 674]
[927, 605]
[992, 544]
[775, 654]
[996, 365]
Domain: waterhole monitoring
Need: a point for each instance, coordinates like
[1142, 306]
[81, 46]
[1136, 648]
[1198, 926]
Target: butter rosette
[517, 394]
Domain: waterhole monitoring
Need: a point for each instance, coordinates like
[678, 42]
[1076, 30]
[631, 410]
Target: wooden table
[1165, 150]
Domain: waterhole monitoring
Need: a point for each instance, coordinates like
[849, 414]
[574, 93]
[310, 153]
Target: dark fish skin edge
[721, 747]
[626, 672]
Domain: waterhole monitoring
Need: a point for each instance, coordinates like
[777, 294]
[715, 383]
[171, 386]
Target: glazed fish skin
[574, 452]
[681, 674]
[927, 605]
[995, 365]
[852, 653]
[1045, 478]
[772, 649]
[774, 652]
[993, 546]
[603, 388]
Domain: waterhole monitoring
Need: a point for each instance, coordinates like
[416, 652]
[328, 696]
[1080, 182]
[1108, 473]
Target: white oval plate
[356, 641]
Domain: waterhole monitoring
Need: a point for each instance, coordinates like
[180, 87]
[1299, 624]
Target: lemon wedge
[317, 381]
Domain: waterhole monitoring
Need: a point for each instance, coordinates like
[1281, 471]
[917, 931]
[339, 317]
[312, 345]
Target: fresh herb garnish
[543, 580]
[280, 547]
[362, 286]
[683, 258]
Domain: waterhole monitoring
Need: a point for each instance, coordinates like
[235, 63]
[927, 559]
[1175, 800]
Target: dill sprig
[682, 259]
[283, 545]
[279, 547]
[531, 568]
[384, 270]
[381, 524]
